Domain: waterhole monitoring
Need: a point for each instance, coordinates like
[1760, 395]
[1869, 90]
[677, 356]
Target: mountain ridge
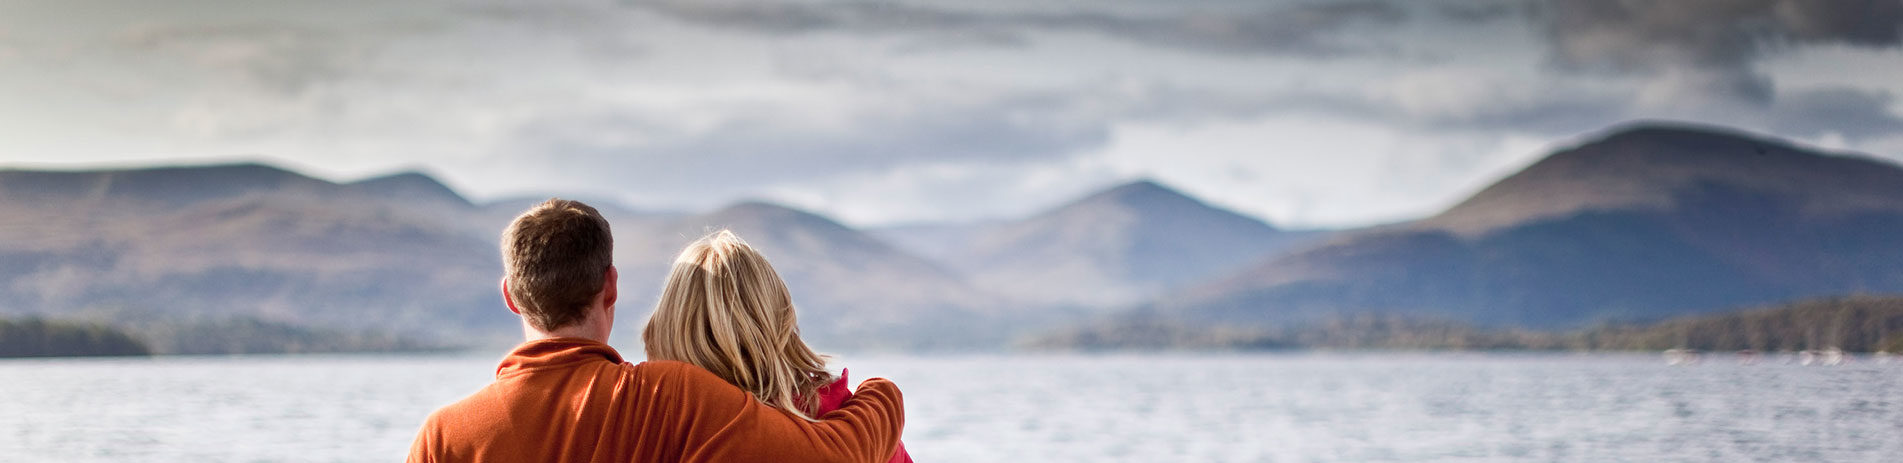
[1610, 229]
[853, 290]
[412, 183]
[1640, 222]
[1642, 165]
[1114, 247]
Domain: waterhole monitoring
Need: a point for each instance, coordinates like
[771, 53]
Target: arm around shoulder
[866, 429]
[876, 397]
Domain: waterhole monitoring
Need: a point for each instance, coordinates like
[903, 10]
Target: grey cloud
[1713, 45]
[1550, 116]
[1558, 113]
[1479, 11]
[961, 40]
[291, 57]
[769, 147]
[602, 31]
[276, 57]
[1853, 113]
[1870, 23]
[1299, 29]
[764, 149]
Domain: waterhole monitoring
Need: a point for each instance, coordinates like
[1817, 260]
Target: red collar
[554, 352]
[832, 396]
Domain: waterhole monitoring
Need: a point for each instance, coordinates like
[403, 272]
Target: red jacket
[832, 396]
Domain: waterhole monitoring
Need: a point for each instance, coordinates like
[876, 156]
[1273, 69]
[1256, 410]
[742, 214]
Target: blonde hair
[725, 309]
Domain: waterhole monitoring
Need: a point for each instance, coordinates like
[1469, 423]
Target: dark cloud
[1301, 29]
[1709, 46]
[1852, 113]
[1553, 115]
[1870, 23]
[1557, 112]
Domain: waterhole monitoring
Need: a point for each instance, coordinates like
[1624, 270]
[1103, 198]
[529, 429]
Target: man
[565, 396]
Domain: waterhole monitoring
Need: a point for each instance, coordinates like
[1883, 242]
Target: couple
[728, 378]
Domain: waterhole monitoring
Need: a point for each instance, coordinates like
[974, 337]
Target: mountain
[489, 218]
[851, 290]
[1662, 168]
[1646, 222]
[178, 254]
[938, 241]
[414, 187]
[1113, 248]
[1643, 222]
[146, 247]
[150, 187]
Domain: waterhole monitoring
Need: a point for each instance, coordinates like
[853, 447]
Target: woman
[726, 310]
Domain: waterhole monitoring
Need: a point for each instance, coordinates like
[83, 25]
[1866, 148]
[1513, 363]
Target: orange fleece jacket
[575, 400]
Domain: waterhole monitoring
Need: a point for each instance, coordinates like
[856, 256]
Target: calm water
[1294, 407]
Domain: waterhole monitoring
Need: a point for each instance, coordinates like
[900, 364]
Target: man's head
[557, 261]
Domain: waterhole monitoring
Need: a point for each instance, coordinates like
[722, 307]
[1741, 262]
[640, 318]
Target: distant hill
[1674, 168]
[159, 245]
[852, 290]
[1110, 249]
[412, 187]
[401, 262]
[938, 241]
[1646, 222]
[153, 187]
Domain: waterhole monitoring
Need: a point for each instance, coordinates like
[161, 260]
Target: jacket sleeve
[727, 424]
[423, 449]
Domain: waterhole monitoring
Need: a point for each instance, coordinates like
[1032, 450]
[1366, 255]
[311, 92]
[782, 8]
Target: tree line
[39, 337]
[1853, 324]
[35, 337]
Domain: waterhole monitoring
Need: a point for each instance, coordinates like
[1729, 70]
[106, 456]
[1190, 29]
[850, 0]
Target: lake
[1299, 407]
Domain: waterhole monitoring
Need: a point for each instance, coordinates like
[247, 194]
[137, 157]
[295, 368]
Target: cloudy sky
[1303, 113]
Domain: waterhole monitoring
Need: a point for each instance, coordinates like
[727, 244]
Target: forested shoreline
[41, 337]
[35, 337]
[1852, 324]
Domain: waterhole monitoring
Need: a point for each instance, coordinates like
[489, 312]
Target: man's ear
[506, 300]
[609, 289]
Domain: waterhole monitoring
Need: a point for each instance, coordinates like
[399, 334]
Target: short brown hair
[555, 257]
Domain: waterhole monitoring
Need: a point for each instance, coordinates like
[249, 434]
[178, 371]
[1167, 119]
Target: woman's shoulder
[668, 372]
[663, 368]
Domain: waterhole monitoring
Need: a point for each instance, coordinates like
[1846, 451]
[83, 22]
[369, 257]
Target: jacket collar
[554, 352]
